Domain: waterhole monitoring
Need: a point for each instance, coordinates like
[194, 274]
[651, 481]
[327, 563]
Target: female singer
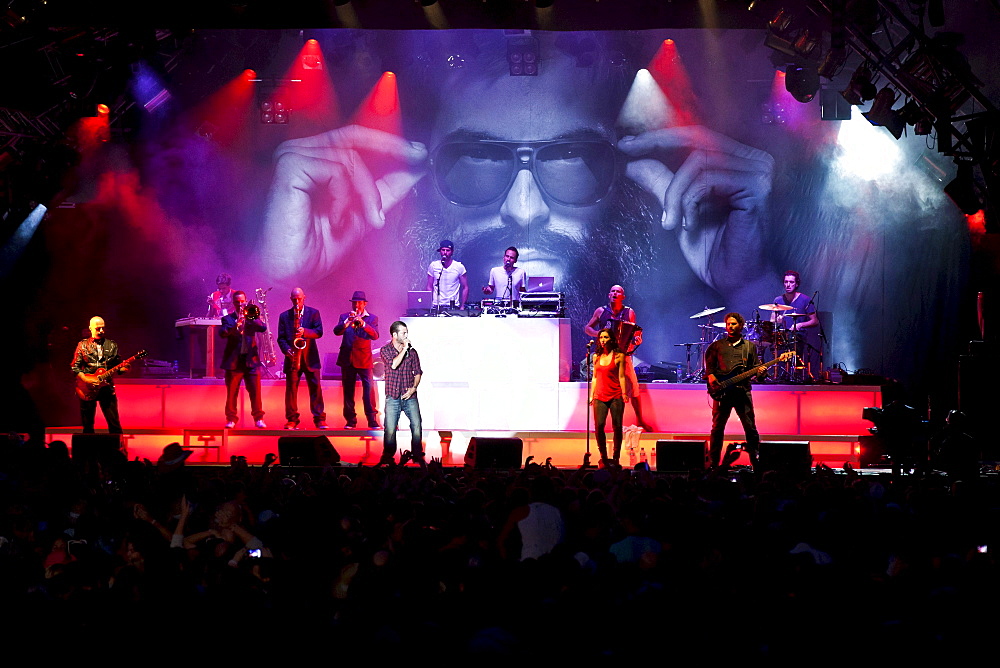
[607, 393]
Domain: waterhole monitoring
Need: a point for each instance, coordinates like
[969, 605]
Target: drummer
[802, 312]
[798, 314]
[620, 320]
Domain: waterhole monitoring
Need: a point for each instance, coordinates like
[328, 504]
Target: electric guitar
[735, 376]
[90, 384]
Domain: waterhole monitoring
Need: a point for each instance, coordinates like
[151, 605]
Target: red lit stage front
[549, 417]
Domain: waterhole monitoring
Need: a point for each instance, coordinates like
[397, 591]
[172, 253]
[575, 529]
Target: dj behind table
[539, 301]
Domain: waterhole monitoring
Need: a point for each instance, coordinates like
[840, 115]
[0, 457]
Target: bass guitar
[90, 384]
[735, 377]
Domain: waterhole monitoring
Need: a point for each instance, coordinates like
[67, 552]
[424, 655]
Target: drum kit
[771, 337]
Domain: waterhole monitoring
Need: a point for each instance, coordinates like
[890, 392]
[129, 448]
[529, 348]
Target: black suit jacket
[312, 325]
[356, 346]
[231, 356]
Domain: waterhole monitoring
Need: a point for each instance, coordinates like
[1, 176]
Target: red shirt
[400, 379]
[606, 385]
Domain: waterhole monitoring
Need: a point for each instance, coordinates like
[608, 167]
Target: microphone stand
[510, 293]
[822, 333]
[437, 290]
[590, 380]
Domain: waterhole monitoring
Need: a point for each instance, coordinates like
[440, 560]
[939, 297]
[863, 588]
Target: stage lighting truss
[929, 71]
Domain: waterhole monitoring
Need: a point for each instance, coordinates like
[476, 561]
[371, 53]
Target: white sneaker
[260, 424]
[230, 425]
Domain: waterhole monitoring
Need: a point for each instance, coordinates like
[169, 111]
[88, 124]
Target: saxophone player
[298, 329]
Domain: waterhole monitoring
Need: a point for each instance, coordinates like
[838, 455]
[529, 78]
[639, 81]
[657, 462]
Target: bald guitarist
[729, 365]
[93, 357]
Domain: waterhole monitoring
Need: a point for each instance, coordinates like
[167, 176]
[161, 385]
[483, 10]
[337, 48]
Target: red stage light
[671, 76]
[977, 222]
[380, 110]
[102, 110]
[310, 93]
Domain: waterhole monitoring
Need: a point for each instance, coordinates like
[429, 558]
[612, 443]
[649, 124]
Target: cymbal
[707, 311]
[696, 343]
[720, 325]
[796, 315]
[774, 307]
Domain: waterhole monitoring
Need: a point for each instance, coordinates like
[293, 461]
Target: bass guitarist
[725, 359]
[94, 355]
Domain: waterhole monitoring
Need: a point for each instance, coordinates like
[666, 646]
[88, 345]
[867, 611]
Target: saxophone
[299, 343]
[265, 342]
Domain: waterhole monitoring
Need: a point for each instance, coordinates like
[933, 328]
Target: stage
[550, 418]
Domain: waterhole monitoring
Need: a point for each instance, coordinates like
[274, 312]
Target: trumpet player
[241, 359]
[298, 329]
[359, 328]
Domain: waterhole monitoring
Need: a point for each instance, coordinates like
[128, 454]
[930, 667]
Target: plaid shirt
[400, 379]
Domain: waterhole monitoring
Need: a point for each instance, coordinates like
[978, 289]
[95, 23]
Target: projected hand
[716, 200]
[328, 191]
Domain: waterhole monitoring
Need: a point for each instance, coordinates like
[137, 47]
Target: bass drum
[760, 332]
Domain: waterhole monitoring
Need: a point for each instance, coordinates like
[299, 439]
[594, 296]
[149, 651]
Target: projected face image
[540, 175]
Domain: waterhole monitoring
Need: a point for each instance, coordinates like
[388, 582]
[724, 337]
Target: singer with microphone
[298, 329]
[359, 328]
[402, 376]
[802, 320]
[446, 278]
[507, 282]
[608, 394]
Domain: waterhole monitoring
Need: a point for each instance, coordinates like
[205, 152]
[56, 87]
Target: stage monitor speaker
[494, 453]
[98, 447]
[786, 456]
[306, 451]
[681, 455]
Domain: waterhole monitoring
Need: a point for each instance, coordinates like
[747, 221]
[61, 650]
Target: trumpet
[252, 311]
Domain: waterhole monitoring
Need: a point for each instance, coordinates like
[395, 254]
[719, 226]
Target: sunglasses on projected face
[481, 172]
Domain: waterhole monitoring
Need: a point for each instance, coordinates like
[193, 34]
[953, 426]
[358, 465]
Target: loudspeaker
[681, 455]
[786, 456]
[306, 451]
[494, 453]
[97, 447]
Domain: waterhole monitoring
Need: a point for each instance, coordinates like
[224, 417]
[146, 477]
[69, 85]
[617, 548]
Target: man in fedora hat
[359, 328]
